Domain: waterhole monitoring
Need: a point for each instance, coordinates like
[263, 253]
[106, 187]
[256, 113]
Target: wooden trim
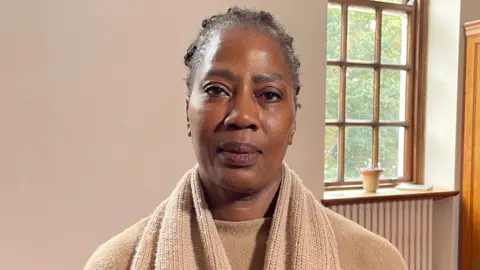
[341, 135]
[368, 123]
[358, 183]
[409, 93]
[344, 33]
[382, 195]
[376, 87]
[376, 5]
[471, 155]
[357, 186]
[472, 28]
[343, 95]
[417, 161]
[374, 65]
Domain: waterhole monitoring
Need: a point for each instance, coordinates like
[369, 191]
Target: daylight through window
[370, 94]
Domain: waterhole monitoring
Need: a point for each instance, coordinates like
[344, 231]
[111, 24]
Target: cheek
[272, 124]
[197, 101]
[204, 116]
[200, 111]
[279, 126]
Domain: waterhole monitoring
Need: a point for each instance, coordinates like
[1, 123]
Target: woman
[241, 207]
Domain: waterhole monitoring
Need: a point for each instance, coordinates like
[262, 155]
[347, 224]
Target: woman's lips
[239, 154]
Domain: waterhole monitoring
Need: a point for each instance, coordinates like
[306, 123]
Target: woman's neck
[230, 206]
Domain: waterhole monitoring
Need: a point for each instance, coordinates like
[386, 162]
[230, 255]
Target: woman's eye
[215, 91]
[271, 96]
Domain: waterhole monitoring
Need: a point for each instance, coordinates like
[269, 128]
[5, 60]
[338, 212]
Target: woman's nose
[243, 113]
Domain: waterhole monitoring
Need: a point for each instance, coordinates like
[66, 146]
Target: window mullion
[411, 97]
[343, 91]
[376, 95]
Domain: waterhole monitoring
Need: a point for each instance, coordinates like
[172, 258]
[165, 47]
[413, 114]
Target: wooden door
[470, 211]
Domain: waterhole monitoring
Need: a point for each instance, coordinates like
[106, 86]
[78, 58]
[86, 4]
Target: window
[373, 95]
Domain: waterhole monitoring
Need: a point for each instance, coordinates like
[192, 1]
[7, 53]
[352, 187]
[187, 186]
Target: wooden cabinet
[470, 211]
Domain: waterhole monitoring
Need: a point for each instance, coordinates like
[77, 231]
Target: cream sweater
[181, 234]
[358, 249]
[245, 242]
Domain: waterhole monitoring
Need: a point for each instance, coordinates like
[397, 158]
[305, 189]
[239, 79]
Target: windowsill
[339, 197]
[356, 187]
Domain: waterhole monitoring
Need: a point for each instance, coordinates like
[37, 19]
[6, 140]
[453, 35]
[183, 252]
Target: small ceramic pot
[371, 178]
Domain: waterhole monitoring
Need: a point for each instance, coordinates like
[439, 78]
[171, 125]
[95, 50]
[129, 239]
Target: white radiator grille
[406, 224]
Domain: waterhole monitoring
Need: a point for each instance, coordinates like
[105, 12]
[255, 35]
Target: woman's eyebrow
[266, 77]
[224, 73]
[231, 76]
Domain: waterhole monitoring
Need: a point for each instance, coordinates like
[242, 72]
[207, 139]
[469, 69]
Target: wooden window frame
[415, 68]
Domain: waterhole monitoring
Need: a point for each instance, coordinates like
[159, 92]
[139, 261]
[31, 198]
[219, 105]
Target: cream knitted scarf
[181, 233]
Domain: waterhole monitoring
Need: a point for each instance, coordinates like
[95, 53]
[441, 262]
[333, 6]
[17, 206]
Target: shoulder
[361, 249]
[117, 253]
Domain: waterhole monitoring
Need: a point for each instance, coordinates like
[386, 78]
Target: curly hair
[242, 17]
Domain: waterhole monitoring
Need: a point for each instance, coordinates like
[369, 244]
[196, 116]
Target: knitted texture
[181, 233]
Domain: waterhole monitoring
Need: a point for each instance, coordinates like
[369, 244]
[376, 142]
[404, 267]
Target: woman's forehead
[245, 41]
[245, 47]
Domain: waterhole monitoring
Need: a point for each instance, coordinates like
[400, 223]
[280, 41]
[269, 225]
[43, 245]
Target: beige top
[245, 242]
[358, 248]
[182, 234]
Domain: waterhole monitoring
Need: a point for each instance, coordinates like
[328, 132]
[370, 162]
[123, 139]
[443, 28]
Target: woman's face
[241, 111]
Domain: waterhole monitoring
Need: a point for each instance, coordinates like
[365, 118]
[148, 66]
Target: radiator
[406, 224]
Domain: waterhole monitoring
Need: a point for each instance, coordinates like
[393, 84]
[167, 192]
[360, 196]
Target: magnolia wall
[444, 110]
[92, 117]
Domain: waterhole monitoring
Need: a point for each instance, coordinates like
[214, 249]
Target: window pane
[333, 90]
[334, 31]
[392, 95]
[394, 37]
[359, 96]
[361, 34]
[391, 151]
[331, 154]
[358, 150]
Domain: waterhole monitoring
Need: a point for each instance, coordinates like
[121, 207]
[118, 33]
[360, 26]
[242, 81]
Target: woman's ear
[292, 133]
[187, 104]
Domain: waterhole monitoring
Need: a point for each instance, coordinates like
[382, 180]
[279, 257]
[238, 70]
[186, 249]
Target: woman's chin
[240, 180]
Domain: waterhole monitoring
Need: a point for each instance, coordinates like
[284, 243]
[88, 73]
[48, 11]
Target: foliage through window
[370, 89]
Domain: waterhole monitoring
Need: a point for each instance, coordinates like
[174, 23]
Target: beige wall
[445, 77]
[92, 125]
[441, 124]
